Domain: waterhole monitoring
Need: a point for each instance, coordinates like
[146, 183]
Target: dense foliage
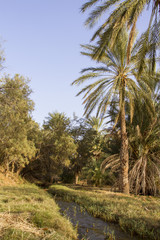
[16, 150]
[121, 145]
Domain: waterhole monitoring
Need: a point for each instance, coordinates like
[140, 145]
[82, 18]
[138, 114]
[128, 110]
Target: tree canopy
[16, 149]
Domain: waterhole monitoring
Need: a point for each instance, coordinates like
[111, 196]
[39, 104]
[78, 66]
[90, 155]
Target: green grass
[135, 214]
[30, 213]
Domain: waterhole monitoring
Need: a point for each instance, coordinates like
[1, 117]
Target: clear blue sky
[41, 41]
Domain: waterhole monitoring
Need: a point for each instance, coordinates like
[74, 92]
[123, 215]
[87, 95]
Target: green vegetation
[119, 148]
[125, 13]
[122, 87]
[89, 145]
[116, 80]
[135, 214]
[16, 150]
[27, 212]
[56, 147]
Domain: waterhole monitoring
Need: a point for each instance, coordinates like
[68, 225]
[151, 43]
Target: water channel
[89, 227]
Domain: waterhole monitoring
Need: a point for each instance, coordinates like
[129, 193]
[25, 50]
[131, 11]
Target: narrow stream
[89, 227]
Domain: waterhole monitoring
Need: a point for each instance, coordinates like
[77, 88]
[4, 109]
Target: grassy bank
[135, 214]
[29, 213]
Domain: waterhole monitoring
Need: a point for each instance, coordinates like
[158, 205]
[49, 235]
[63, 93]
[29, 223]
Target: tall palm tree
[144, 144]
[114, 78]
[125, 13]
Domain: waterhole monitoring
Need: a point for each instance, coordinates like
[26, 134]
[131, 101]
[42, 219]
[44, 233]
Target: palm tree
[95, 123]
[125, 13]
[144, 144]
[144, 169]
[144, 140]
[145, 172]
[114, 78]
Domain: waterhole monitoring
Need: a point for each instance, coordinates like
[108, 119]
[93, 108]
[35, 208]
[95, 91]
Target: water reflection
[89, 227]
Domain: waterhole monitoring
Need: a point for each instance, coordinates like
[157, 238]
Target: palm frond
[99, 11]
[85, 77]
[110, 162]
[88, 4]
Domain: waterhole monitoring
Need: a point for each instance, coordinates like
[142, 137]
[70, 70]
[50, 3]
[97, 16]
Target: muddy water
[89, 227]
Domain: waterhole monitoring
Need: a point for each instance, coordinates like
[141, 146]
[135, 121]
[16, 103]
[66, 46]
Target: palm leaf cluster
[109, 79]
[144, 167]
[125, 13]
[144, 147]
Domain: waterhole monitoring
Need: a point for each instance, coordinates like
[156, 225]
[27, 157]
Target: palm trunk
[7, 168]
[76, 178]
[124, 156]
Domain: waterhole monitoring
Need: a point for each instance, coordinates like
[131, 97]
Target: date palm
[145, 172]
[115, 78]
[144, 142]
[144, 138]
[144, 169]
[125, 13]
[95, 123]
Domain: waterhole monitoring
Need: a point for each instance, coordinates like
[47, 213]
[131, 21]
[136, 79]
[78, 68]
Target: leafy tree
[115, 78]
[88, 142]
[84, 136]
[57, 146]
[16, 150]
[34, 135]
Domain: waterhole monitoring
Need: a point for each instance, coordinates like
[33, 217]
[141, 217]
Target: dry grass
[9, 179]
[29, 213]
[18, 221]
